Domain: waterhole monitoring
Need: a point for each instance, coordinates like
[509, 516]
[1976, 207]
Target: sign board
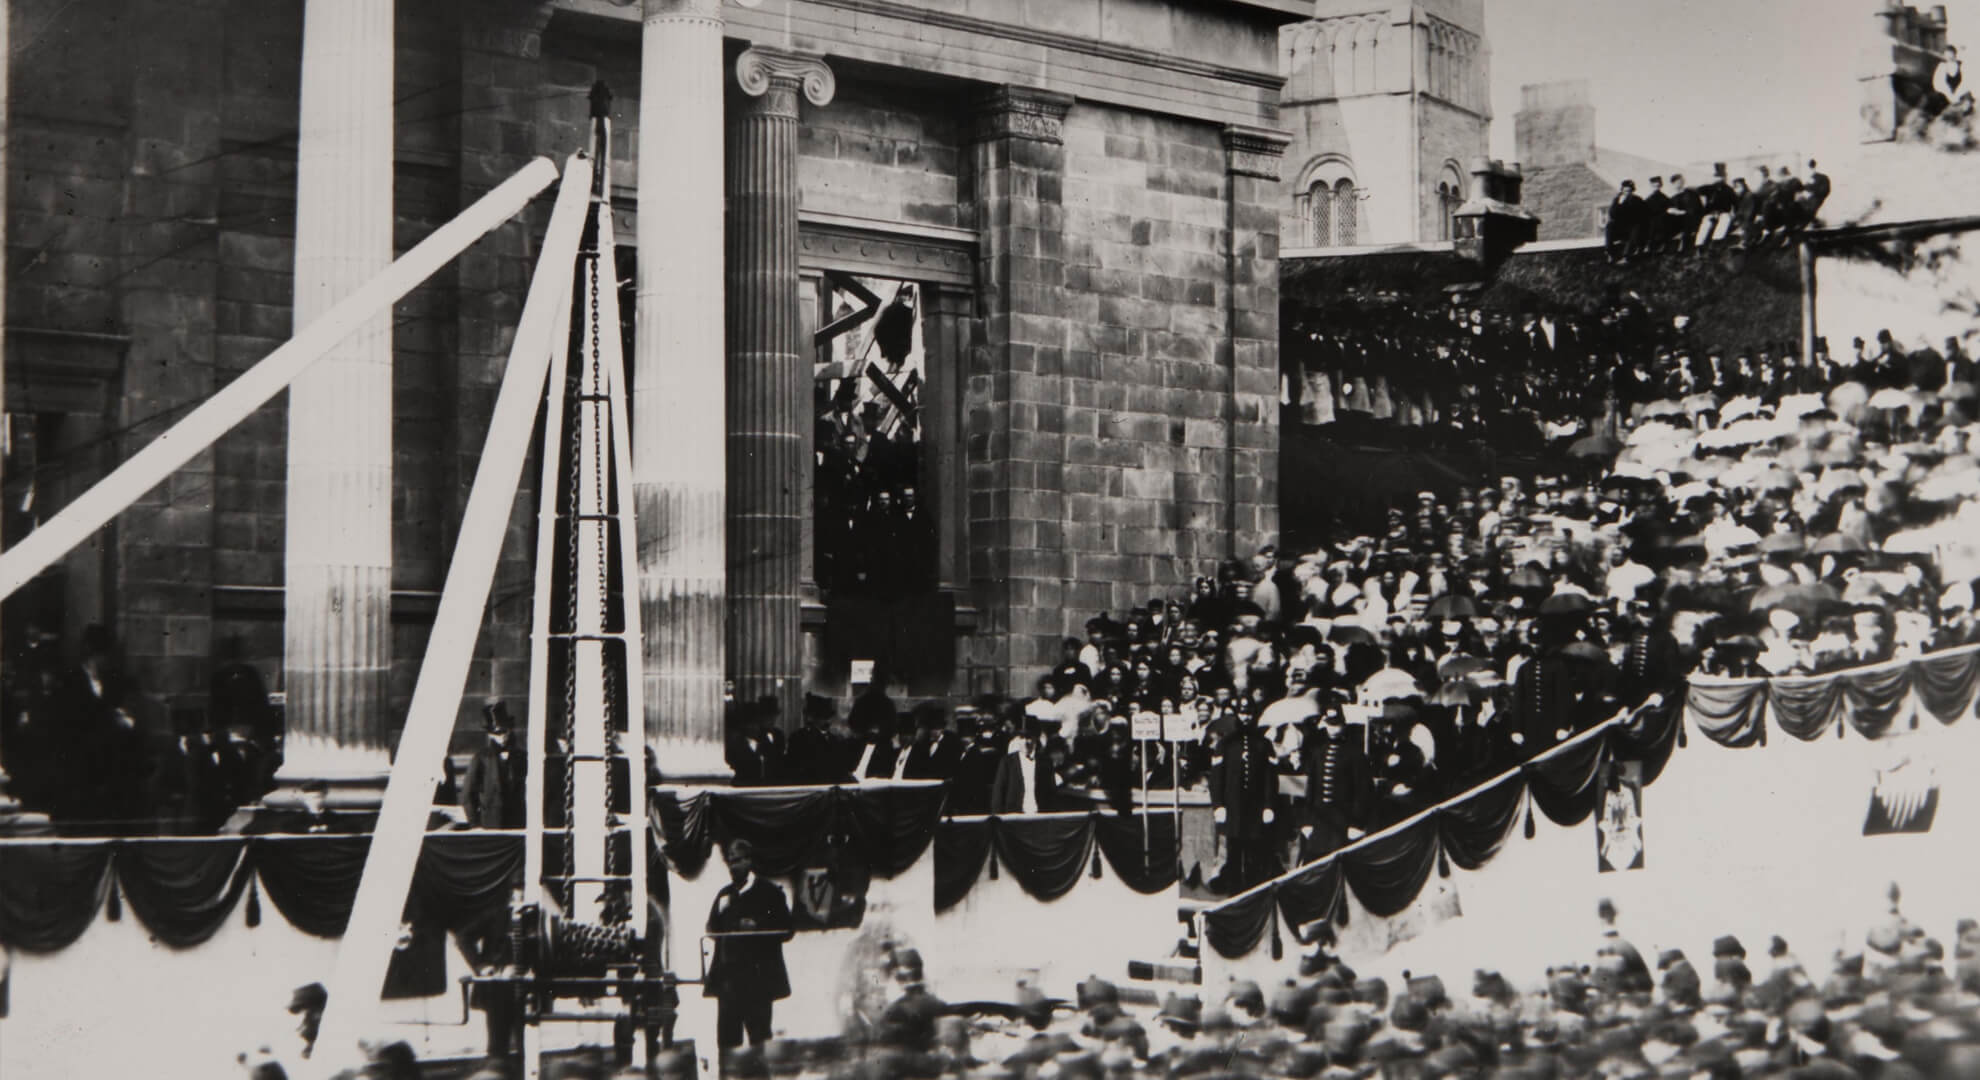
[1147, 725]
[1178, 728]
[862, 672]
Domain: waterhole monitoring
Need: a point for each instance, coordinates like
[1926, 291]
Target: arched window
[1345, 215]
[1328, 202]
[1450, 196]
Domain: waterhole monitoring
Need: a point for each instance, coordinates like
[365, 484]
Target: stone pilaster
[1251, 159]
[768, 391]
[678, 384]
[337, 625]
[1017, 565]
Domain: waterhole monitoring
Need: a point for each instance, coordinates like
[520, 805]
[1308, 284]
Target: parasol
[1810, 602]
[1452, 607]
[1459, 665]
[1783, 543]
[1390, 684]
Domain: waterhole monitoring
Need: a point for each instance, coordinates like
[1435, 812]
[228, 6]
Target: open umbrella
[1848, 397]
[1665, 407]
[1811, 602]
[1741, 406]
[1566, 603]
[1796, 406]
[1452, 607]
[1349, 634]
[1594, 446]
[1839, 544]
[1458, 693]
[1684, 493]
[1528, 577]
[1390, 684]
[1459, 665]
[1890, 399]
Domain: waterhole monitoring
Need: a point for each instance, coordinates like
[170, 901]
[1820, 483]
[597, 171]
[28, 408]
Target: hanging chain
[572, 525]
[601, 464]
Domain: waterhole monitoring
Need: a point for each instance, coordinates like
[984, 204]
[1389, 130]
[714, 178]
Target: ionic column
[338, 564]
[678, 385]
[769, 384]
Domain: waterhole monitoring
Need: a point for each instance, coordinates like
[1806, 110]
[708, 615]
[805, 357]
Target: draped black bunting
[1473, 829]
[313, 882]
[1236, 928]
[1044, 854]
[1120, 840]
[1047, 854]
[961, 849]
[1946, 683]
[1728, 713]
[1566, 782]
[1805, 708]
[1387, 873]
[889, 828]
[184, 890]
[1650, 737]
[1868, 699]
[50, 893]
[1311, 894]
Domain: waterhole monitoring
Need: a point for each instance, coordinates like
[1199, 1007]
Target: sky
[1697, 80]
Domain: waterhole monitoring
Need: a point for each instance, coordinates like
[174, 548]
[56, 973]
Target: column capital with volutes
[777, 75]
[654, 10]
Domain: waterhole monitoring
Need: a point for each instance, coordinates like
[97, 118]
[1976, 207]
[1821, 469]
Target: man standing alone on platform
[746, 976]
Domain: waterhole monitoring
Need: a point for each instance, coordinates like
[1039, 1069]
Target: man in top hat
[756, 750]
[1718, 201]
[1337, 783]
[746, 976]
[935, 750]
[982, 751]
[815, 754]
[492, 793]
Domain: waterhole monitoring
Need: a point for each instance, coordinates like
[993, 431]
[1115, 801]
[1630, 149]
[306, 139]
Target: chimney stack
[1555, 124]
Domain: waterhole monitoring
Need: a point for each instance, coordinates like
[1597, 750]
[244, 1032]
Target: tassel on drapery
[1278, 942]
[114, 909]
[253, 904]
[1096, 863]
[1443, 863]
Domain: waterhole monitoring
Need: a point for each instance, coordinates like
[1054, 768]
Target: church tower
[1388, 103]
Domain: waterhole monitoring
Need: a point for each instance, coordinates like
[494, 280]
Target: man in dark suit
[1813, 194]
[1686, 209]
[1336, 783]
[756, 751]
[1625, 215]
[935, 750]
[1719, 202]
[1654, 232]
[1746, 212]
[815, 755]
[1243, 783]
[746, 975]
[982, 752]
[492, 794]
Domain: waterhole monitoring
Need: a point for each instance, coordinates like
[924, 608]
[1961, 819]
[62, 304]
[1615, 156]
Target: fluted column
[678, 385]
[769, 390]
[338, 566]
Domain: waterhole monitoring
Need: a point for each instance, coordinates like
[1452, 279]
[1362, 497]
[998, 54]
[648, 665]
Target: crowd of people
[1521, 382]
[1771, 208]
[1897, 1006]
[84, 747]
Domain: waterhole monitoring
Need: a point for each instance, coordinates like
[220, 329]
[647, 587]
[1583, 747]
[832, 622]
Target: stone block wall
[886, 154]
[1122, 429]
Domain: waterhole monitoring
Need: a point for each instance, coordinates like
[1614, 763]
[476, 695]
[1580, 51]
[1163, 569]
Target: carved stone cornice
[706, 11]
[1022, 112]
[1254, 151]
[776, 74]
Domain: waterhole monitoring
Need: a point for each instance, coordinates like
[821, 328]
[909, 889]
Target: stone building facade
[1087, 194]
[1388, 105]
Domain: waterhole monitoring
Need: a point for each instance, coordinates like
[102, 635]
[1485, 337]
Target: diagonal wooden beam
[201, 427]
[366, 948]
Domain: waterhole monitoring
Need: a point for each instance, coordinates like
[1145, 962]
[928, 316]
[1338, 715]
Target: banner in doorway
[1619, 827]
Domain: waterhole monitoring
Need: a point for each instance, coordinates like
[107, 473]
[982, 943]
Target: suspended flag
[1619, 826]
[830, 897]
[1904, 800]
